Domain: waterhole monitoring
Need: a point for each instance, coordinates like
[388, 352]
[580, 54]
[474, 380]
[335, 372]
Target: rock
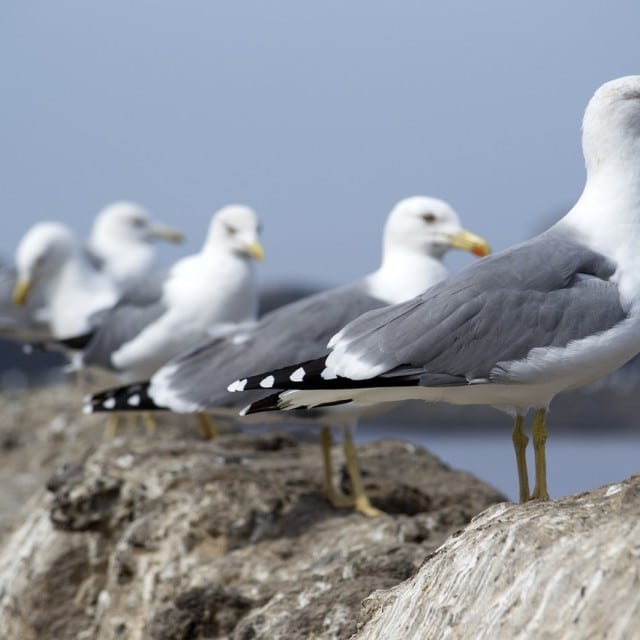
[565, 569]
[173, 537]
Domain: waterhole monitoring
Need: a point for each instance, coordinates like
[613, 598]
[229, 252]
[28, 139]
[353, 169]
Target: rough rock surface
[170, 537]
[566, 569]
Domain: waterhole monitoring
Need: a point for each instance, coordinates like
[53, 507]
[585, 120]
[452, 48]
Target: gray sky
[320, 115]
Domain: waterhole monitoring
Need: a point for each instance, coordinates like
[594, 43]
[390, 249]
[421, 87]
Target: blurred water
[574, 462]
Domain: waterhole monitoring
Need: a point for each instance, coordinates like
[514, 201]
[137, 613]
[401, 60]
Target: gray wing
[115, 327]
[542, 293]
[294, 332]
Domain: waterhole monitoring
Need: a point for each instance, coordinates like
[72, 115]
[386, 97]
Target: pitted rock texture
[170, 536]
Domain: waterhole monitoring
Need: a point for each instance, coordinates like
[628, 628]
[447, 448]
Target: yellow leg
[520, 441]
[149, 422]
[335, 497]
[111, 428]
[539, 440]
[207, 426]
[361, 499]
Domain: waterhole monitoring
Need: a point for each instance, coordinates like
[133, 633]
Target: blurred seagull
[120, 247]
[418, 232]
[121, 242]
[511, 331]
[71, 288]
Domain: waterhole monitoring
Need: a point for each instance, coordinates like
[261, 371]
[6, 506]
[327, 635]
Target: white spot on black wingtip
[237, 385]
[298, 375]
[328, 374]
[109, 403]
[245, 411]
[134, 400]
[267, 383]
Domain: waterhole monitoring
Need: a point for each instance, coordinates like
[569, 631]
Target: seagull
[418, 232]
[121, 242]
[120, 247]
[511, 331]
[72, 289]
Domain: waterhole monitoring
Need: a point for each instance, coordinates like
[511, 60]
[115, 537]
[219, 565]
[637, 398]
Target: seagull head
[236, 228]
[129, 223]
[611, 126]
[429, 226]
[42, 253]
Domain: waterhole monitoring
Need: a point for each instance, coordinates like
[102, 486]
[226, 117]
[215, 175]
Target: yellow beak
[470, 242]
[21, 292]
[255, 250]
[168, 234]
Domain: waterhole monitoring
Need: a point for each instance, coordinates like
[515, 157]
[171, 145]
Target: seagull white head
[429, 226]
[42, 253]
[611, 126]
[130, 223]
[237, 228]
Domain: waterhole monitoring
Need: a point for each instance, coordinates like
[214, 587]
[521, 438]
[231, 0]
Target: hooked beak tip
[256, 251]
[470, 242]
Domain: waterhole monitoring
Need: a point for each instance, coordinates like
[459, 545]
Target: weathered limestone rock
[170, 537]
[568, 569]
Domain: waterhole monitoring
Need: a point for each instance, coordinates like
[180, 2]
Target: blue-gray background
[320, 115]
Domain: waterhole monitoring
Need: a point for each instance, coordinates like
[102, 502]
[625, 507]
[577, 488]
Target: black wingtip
[131, 397]
[297, 376]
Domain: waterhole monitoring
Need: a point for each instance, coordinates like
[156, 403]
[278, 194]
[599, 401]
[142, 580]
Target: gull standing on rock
[418, 232]
[512, 331]
[203, 295]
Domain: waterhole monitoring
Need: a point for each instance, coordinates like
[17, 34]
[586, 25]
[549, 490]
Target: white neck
[404, 275]
[215, 286]
[607, 217]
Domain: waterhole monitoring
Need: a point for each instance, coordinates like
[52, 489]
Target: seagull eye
[138, 223]
[429, 218]
[231, 230]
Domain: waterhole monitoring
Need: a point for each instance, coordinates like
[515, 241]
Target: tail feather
[288, 401]
[131, 397]
[76, 343]
[270, 403]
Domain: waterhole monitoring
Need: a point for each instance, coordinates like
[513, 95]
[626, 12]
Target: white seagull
[419, 231]
[512, 331]
[121, 242]
[120, 247]
[70, 286]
